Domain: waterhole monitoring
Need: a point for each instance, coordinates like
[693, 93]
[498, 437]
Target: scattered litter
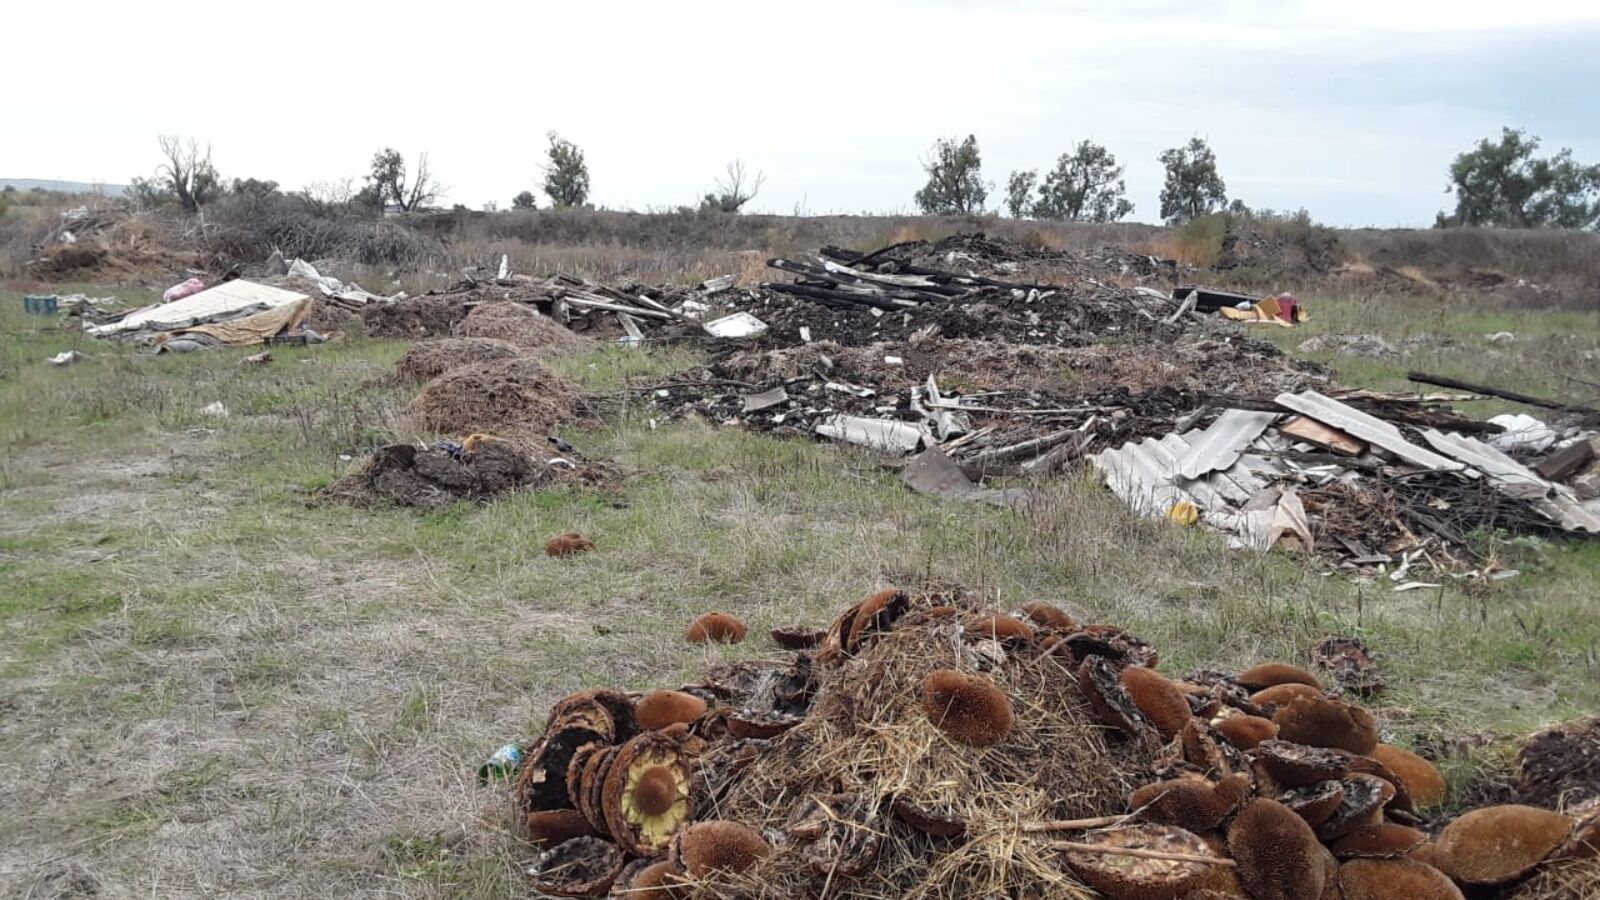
[182, 289]
[40, 304]
[502, 765]
[931, 472]
[879, 434]
[1522, 432]
[766, 399]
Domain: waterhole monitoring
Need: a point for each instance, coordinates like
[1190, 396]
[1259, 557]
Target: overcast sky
[1352, 109]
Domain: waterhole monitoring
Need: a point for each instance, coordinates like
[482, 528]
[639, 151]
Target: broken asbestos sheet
[1340, 482]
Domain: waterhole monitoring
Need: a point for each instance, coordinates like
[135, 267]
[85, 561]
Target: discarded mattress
[229, 300]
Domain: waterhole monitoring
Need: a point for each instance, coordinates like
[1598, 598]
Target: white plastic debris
[1522, 432]
[328, 286]
[879, 434]
[738, 325]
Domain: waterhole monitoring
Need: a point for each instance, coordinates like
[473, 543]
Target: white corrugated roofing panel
[1369, 428]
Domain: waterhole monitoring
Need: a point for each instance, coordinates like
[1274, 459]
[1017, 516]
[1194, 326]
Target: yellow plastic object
[1183, 513]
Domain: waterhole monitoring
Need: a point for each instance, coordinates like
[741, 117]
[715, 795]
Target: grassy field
[213, 683]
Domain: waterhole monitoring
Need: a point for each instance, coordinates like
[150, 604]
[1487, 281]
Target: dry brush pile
[923, 747]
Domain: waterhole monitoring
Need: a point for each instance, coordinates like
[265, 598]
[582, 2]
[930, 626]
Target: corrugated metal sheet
[1554, 501]
[1371, 429]
[230, 298]
[1220, 445]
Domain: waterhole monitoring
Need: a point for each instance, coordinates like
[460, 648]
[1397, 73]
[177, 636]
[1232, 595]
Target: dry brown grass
[503, 397]
[432, 358]
[519, 325]
[868, 735]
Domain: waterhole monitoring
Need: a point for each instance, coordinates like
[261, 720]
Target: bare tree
[389, 177]
[734, 189]
[188, 173]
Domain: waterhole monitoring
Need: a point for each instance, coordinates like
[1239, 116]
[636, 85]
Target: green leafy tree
[1193, 188]
[566, 176]
[1085, 186]
[1502, 184]
[955, 185]
[1019, 192]
[389, 177]
[525, 200]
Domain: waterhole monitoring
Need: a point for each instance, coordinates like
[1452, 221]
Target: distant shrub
[1198, 241]
[249, 227]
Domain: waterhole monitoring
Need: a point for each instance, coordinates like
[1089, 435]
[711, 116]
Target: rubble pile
[926, 746]
[975, 398]
[1374, 485]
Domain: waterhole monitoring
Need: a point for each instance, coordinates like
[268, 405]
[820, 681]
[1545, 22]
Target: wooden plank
[1368, 428]
[1313, 432]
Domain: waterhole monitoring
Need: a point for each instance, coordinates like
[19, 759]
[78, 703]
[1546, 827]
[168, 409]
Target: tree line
[1498, 183]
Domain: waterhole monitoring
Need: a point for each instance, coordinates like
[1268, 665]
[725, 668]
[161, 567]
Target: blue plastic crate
[39, 304]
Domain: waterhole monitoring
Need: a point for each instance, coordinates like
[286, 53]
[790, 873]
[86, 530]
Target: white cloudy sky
[1350, 108]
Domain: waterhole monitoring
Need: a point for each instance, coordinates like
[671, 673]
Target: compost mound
[516, 324]
[498, 395]
[418, 317]
[929, 747]
[432, 358]
[1561, 765]
[430, 479]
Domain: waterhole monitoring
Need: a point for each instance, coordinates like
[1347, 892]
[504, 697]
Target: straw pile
[496, 397]
[516, 324]
[928, 748]
[432, 358]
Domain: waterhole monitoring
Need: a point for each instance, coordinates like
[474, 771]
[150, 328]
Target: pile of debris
[1370, 483]
[582, 306]
[924, 746]
[476, 470]
[233, 312]
[982, 254]
[990, 405]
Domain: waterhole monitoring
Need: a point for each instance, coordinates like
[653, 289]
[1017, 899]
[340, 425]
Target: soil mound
[418, 317]
[430, 479]
[495, 396]
[516, 324]
[430, 359]
[1560, 766]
